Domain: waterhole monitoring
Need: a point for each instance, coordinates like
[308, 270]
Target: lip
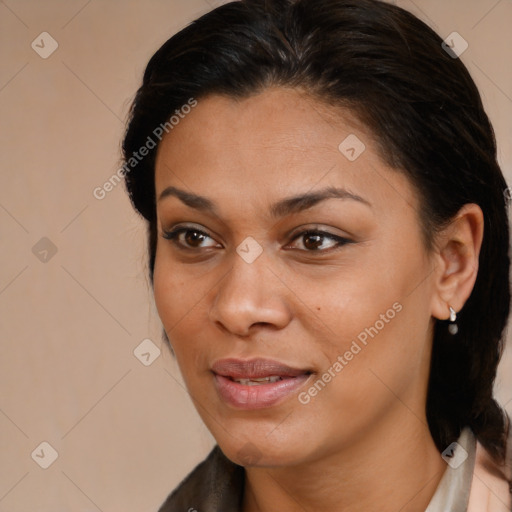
[260, 396]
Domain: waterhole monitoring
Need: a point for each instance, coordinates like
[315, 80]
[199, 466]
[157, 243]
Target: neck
[391, 468]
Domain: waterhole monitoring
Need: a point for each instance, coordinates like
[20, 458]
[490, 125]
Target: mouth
[256, 383]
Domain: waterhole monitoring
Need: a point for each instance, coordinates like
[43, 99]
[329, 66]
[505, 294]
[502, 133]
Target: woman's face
[293, 346]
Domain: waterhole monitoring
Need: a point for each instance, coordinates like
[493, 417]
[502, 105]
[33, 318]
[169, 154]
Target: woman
[328, 249]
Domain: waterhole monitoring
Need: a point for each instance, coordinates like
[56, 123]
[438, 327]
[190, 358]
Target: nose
[250, 295]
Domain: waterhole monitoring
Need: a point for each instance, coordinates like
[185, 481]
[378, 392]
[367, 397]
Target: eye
[192, 239]
[313, 240]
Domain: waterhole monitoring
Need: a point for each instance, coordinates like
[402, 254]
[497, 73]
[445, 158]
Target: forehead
[270, 145]
[286, 121]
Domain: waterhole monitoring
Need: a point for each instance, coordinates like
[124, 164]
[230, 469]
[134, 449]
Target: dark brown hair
[420, 103]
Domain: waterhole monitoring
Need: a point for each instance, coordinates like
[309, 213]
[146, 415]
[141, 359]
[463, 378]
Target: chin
[255, 452]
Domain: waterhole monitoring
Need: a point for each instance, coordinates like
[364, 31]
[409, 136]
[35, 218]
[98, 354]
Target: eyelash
[340, 241]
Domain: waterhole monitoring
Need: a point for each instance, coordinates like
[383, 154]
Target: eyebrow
[281, 208]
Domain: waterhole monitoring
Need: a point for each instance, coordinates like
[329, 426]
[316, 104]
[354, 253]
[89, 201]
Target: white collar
[452, 493]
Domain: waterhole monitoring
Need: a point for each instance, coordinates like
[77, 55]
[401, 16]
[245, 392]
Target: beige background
[125, 433]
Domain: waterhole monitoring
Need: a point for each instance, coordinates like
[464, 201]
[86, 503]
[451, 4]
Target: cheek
[378, 353]
[376, 312]
[181, 299]
[177, 300]
[176, 289]
[167, 291]
[340, 306]
[371, 367]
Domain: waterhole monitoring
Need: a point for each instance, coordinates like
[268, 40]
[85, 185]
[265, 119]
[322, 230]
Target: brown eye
[192, 237]
[188, 238]
[314, 241]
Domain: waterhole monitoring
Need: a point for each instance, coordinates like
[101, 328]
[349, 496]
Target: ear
[456, 260]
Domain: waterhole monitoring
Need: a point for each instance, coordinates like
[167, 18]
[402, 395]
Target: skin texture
[362, 442]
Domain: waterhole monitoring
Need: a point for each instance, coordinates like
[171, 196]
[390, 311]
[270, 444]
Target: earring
[453, 328]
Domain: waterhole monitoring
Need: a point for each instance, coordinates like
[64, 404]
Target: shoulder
[216, 483]
[491, 485]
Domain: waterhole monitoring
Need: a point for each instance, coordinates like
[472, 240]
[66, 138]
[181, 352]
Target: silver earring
[453, 328]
